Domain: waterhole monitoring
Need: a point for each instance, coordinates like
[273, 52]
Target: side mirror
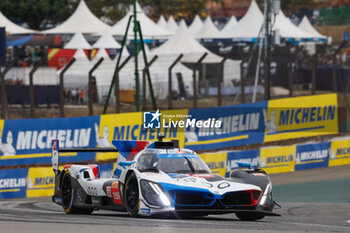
[242, 165]
[54, 155]
[125, 164]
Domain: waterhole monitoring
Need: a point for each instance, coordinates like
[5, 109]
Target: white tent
[159, 75]
[101, 53]
[287, 29]
[158, 71]
[228, 27]
[161, 22]
[78, 42]
[248, 27]
[196, 25]
[171, 24]
[150, 30]
[106, 41]
[183, 42]
[77, 75]
[251, 24]
[306, 26]
[208, 30]
[13, 28]
[82, 20]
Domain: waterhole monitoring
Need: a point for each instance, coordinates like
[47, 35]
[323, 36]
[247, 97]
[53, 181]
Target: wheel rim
[132, 194]
[66, 192]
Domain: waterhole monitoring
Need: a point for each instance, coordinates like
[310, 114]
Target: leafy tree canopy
[39, 14]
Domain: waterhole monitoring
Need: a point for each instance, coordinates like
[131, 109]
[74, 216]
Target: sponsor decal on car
[203, 175]
[117, 199]
[145, 210]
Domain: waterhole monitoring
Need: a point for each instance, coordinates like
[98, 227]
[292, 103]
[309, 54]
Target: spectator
[77, 96]
[74, 94]
[82, 94]
[69, 96]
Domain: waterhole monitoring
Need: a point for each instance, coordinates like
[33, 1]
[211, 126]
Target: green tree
[33, 12]
[40, 13]
[286, 4]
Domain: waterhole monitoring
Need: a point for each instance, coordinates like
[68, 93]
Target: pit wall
[27, 143]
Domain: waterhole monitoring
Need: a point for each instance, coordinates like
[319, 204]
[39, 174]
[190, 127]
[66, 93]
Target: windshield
[183, 164]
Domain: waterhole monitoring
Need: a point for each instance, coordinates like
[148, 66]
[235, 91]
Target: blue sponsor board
[240, 125]
[312, 155]
[28, 141]
[13, 183]
[250, 156]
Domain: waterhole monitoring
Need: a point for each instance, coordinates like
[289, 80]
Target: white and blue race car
[159, 179]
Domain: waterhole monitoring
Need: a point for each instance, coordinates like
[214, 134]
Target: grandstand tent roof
[249, 26]
[82, 20]
[158, 71]
[161, 22]
[287, 29]
[183, 42]
[208, 30]
[78, 42]
[102, 53]
[306, 26]
[150, 30]
[106, 41]
[171, 24]
[228, 27]
[196, 25]
[13, 28]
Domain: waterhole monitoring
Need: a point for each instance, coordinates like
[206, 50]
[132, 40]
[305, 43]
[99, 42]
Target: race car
[160, 179]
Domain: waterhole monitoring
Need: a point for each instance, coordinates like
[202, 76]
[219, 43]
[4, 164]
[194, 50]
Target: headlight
[154, 194]
[266, 192]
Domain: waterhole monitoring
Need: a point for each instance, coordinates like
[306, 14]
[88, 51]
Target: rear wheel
[68, 197]
[131, 195]
[249, 216]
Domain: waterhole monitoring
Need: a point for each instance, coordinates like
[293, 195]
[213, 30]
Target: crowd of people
[74, 96]
[14, 82]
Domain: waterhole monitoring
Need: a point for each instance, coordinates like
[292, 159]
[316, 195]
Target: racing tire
[68, 197]
[249, 216]
[131, 195]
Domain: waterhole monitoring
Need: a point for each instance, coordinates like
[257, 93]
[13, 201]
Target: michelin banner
[28, 141]
[36, 181]
[13, 183]
[284, 158]
[312, 155]
[301, 117]
[39, 181]
[239, 125]
[339, 152]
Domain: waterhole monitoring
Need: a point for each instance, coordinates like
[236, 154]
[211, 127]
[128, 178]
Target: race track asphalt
[312, 201]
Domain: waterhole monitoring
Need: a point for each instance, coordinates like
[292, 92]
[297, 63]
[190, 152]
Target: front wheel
[131, 195]
[249, 216]
[68, 197]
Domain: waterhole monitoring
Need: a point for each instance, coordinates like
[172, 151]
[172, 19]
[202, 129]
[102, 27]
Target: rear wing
[55, 152]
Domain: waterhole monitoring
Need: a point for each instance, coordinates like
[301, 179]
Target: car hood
[200, 182]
